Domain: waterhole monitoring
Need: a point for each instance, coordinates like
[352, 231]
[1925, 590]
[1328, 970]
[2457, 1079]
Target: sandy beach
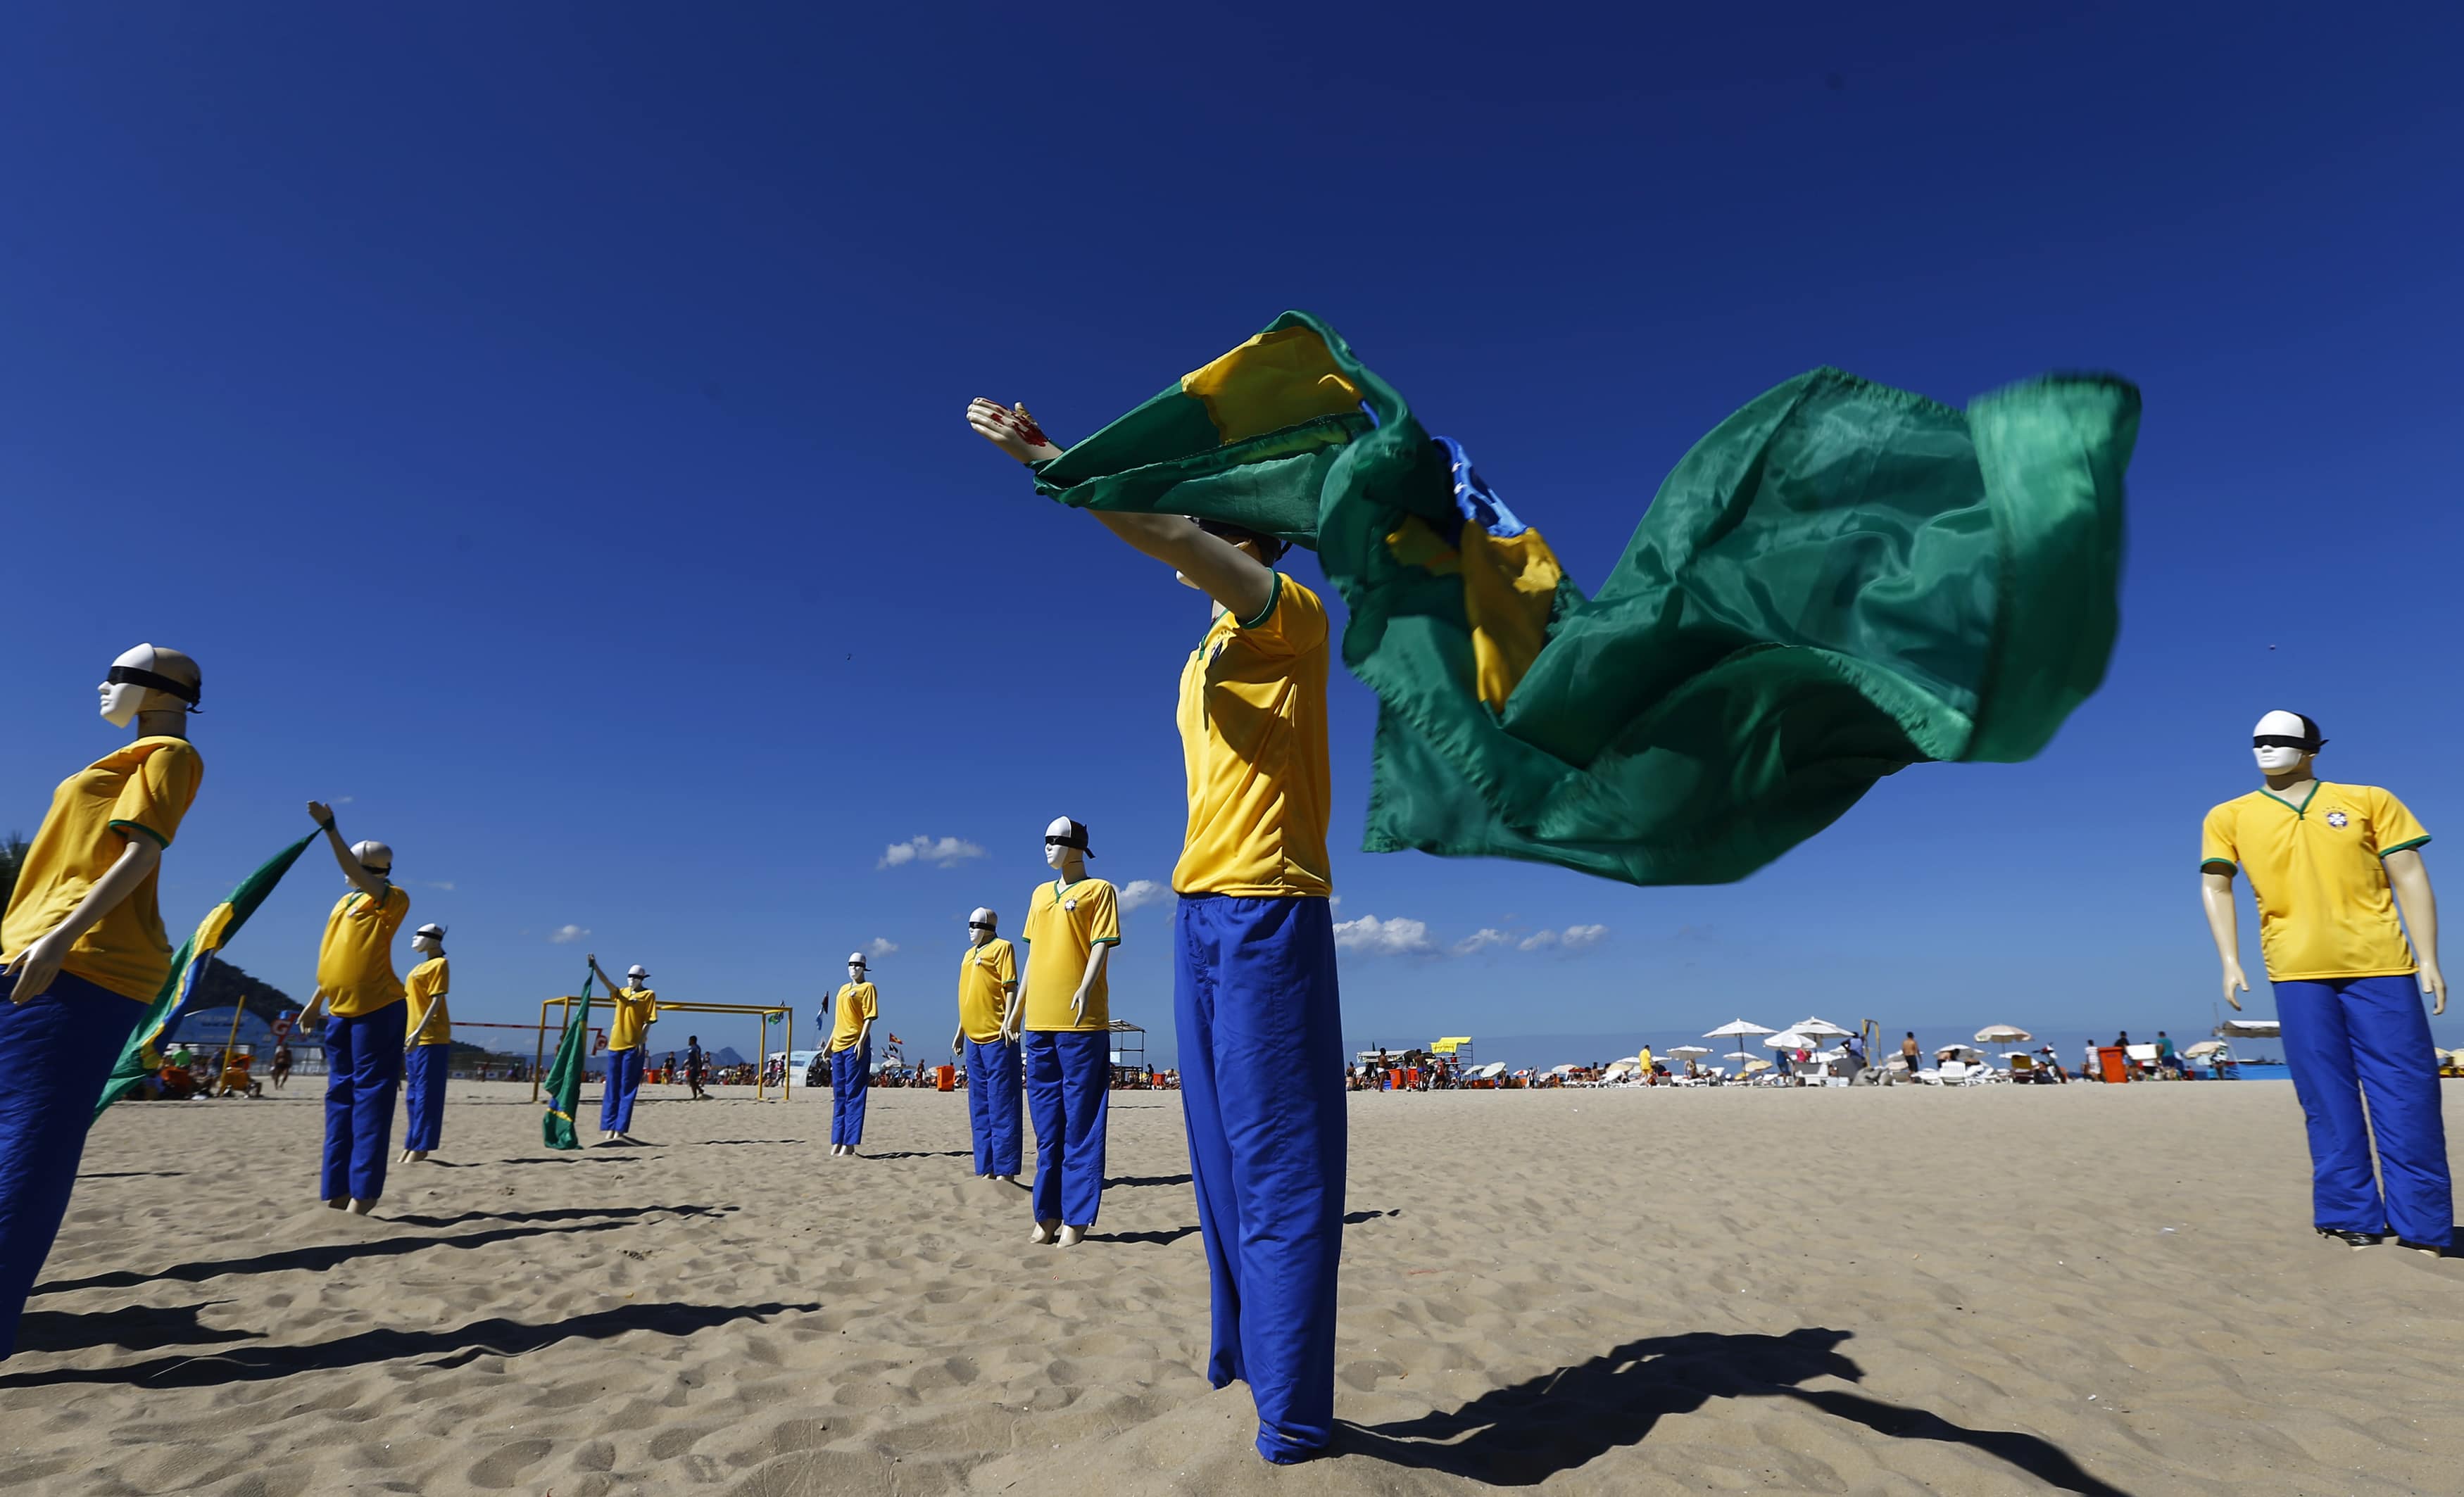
[2085, 1289]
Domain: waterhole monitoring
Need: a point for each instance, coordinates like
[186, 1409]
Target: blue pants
[624, 1085]
[850, 1077]
[992, 1105]
[363, 1072]
[1261, 1035]
[2367, 1037]
[1068, 1087]
[56, 1052]
[424, 1102]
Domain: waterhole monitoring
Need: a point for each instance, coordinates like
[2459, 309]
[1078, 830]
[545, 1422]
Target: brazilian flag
[565, 1076]
[189, 968]
[1840, 581]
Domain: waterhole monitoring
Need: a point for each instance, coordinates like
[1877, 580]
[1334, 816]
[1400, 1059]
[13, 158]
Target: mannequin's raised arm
[1214, 566]
[2215, 892]
[353, 869]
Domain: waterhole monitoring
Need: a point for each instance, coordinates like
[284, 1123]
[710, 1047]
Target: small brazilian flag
[1840, 581]
[565, 1077]
[189, 968]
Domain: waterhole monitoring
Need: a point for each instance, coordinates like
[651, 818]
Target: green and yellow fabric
[1840, 579]
[564, 1073]
[188, 966]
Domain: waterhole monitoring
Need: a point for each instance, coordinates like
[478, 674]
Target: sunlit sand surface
[2087, 1289]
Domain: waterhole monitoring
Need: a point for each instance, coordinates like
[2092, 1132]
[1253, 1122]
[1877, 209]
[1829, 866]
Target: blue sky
[544, 424]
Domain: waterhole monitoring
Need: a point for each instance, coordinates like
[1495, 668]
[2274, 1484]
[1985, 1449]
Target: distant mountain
[225, 985]
[726, 1055]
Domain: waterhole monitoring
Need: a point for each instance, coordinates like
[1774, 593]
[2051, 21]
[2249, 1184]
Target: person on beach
[1066, 1050]
[431, 1046]
[629, 1047]
[851, 1056]
[1910, 1055]
[2328, 864]
[695, 1065]
[82, 951]
[364, 1019]
[281, 1066]
[1255, 997]
[987, 1040]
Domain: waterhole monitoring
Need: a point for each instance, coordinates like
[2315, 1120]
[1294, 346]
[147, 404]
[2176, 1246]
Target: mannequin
[2328, 862]
[364, 1018]
[430, 1044]
[851, 1057]
[987, 1036]
[82, 951]
[1255, 997]
[629, 1046]
[1066, 1051]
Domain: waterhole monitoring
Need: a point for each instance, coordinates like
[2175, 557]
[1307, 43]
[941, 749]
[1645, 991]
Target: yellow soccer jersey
[1065, 924]
[424, 988]
[636, 1008]
[986, 974]
[857, 1003]
[140, 790]
[355, 965]
[2318, 871]
[1253, 737]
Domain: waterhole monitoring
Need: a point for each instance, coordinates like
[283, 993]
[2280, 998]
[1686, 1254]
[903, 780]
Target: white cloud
[343, 799]
[1335, 901]
[1537, 940]
[882, 946]
[1585, 934]
[1395, 937]
[938, 851]
[1486, 935]
[1140, 891]
[439, 884]
[568, 934]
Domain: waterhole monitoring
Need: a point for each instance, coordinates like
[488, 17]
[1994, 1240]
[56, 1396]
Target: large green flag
[1840, 581]
[565, 1076]
[188, 966]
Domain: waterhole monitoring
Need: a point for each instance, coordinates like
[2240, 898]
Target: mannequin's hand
[2233, 980]
[1078, 1005]
[2437, 981]
[320, 813]
[1013, 431]
[35, 967]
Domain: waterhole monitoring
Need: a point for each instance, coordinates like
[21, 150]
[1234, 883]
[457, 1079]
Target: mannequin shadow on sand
[1562, 1420]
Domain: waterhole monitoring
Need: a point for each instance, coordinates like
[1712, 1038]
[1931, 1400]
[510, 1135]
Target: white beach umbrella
[1689, 1049]
[1737, 1029]
[1822, 1029]
[1787, 1040]
[1956, 1052]
[2251, 1029]
[1741, 1055]
[2204, 1047]
[2003, 1034]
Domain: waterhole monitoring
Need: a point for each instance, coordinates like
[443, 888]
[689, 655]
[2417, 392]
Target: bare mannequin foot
[361, 1208]
[338, 1203]
[418, 1155]
[1072, 1236]
[1044, 1233]
[404, 1159]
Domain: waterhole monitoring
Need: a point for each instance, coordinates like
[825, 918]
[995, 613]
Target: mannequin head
[2284, 743]
[637, 976]
[1265, 550]
[428, 939]
[855, 966]
[982, 925]
[1065, 845]
[374, 856]
[149, 679]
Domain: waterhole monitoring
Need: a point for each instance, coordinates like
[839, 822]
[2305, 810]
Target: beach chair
[1950, 1073]
[2142, 1062]
[2024, 1068]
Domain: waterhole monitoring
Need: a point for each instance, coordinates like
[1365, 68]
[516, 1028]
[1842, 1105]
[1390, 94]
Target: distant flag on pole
[565, 1077]
[188, 970]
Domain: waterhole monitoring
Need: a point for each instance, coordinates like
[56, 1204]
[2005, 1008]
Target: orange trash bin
[2112, 1062]
[948, 1078]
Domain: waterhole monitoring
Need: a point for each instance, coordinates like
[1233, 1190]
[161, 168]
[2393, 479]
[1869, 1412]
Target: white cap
[981, 916]
[637, 970]
[2283, 724]
[855, 959]
[432, 930]
[372, 854]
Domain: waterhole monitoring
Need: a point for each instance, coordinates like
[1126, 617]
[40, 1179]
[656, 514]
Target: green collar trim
[2297, 811]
